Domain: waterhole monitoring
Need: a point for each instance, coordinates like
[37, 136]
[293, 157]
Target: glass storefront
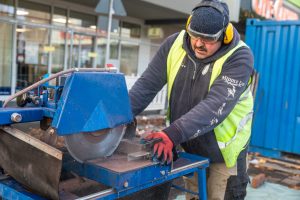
[6, 49]
[46, 38]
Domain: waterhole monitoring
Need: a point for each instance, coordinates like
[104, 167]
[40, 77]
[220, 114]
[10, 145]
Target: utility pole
[110, 13]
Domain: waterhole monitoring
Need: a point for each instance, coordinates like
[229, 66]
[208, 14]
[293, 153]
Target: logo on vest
[213, 121]
[220, 110]
[233, 82]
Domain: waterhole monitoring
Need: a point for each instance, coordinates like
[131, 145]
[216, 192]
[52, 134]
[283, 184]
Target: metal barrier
[158, 103]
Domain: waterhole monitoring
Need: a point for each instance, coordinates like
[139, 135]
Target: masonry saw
[89, 108]
[72, 135]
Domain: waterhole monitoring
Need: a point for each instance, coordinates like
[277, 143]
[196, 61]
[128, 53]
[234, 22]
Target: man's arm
[219, 102]
[152, 80]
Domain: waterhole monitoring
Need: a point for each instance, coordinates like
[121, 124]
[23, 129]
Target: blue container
[276, 48]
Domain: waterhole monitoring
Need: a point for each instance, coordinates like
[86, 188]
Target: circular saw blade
[92, 145]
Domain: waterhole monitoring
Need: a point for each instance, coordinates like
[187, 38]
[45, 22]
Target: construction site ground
[282, 179]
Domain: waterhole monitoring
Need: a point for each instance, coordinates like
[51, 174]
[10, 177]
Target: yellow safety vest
[234, 132]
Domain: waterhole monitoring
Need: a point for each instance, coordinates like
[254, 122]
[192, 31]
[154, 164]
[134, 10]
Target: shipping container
[276, 49]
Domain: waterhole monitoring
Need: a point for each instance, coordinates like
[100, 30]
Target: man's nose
[199, 42]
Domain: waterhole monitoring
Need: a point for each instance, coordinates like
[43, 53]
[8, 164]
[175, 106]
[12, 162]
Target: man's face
[204, 48]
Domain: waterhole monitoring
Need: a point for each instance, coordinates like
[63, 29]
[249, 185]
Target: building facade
[39, 37]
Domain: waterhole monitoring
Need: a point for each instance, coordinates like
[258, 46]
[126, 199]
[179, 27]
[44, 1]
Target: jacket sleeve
[219, 102]
[152, 80]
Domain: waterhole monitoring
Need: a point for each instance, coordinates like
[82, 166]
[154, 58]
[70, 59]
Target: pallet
[279, 171]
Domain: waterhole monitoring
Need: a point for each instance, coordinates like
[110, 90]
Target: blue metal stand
[124, 183]
[10, 189]
[202, 184]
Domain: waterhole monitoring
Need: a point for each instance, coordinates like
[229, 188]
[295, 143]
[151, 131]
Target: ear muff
[228, 34]
[188, 22]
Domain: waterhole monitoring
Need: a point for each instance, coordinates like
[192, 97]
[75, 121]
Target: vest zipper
[193, 81]
[195, 67]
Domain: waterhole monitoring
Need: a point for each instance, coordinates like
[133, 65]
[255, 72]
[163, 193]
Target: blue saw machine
[101, 156]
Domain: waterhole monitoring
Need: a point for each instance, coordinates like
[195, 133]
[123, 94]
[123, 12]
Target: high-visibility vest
[234, 132]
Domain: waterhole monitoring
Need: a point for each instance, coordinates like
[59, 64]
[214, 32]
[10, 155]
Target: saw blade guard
[92, 101]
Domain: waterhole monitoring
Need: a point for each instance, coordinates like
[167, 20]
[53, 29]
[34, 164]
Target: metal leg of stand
[202, 192]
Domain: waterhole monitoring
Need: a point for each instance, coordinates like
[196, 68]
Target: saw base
[119, 163]
[109, 184]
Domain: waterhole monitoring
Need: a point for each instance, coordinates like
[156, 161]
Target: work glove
[162, 149]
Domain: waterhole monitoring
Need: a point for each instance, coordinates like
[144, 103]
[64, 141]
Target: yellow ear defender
[228, 31]
[188, 22]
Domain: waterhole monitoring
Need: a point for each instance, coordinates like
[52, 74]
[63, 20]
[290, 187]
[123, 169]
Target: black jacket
[195, 111]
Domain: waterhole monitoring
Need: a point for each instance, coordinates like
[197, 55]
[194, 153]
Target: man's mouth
[202, 48]
[200, 51]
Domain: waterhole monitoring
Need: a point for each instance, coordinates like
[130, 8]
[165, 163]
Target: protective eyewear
[206, 38]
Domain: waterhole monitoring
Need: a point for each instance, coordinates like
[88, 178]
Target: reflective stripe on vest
[233, 133]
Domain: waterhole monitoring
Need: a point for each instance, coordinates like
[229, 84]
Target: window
[101, 51]
[33, 12]
[81, 20]
[5, 58]
[114, 49]
[103, 25]
[82, 54]
[130, 30]
[58, 50]
[32, 55]
[59, 17]
[7, 8]
[129, 58]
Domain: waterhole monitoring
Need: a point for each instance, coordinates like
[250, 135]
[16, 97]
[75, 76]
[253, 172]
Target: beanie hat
[209, 20]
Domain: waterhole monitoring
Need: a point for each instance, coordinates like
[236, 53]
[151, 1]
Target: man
[207, 68]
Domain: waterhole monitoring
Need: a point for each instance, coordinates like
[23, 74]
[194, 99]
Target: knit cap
[209, 20]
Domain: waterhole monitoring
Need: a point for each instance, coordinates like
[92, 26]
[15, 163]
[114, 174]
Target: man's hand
[165, 146]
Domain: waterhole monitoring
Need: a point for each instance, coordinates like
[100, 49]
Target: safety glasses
[206, 38]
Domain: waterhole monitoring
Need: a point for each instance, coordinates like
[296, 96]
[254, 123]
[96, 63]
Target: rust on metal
[31, 162]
